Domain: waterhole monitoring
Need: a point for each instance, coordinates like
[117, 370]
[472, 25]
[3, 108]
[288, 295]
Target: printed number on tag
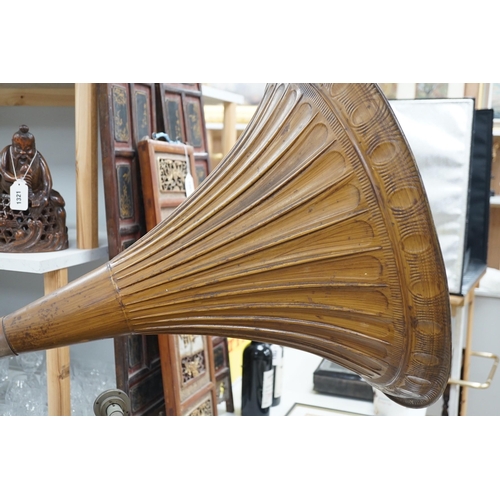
[19, 196]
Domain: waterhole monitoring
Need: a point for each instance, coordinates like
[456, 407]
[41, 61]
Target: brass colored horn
[314, 233]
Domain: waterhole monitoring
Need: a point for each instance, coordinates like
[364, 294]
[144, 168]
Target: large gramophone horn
[314, 233]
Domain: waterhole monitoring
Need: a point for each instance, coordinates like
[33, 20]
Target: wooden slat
[229, 130]
[58, 360]
[86, 165]
[37, 95]
[457, 300]
[494, 238]
[464, 392]
[480, 92]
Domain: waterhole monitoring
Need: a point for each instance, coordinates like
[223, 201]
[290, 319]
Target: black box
[330, 378]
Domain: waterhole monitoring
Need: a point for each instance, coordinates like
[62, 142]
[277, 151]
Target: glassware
[88, 381]
[26, 392]
[25, 396]
[30, 362]
[4, 369]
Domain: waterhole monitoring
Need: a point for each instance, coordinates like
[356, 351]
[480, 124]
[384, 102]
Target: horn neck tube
[84, 310]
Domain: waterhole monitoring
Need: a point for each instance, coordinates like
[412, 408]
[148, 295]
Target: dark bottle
[278, 352]
[257, 380]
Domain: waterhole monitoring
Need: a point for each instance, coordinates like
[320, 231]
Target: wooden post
[229, 130]
[464, 390]
[86, 165]
[494, 238]
[58, 360]
[480, 92]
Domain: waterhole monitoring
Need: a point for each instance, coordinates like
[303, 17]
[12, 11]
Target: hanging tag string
[14, 168]
[189, 183]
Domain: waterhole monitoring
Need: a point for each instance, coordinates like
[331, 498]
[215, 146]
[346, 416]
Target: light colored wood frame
[149, 152]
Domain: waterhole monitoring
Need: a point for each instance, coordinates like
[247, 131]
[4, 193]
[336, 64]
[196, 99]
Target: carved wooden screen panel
[187, 360]
[182, 118]
[124, 213]
[127, 113]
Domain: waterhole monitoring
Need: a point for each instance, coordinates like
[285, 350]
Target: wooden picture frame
[164, 166]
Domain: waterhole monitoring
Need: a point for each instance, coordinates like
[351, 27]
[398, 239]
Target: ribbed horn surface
[314, 233]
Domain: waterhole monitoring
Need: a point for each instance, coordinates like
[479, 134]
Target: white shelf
[212, 95]
[43, 262]
[220, 126]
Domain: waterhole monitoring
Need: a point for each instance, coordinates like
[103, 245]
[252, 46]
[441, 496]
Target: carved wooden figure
[314, 233]
[32, 214]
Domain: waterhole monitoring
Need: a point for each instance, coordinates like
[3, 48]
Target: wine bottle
[257, 380]
[278, 352]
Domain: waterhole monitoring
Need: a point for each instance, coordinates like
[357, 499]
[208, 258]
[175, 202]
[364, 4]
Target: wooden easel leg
[58, 360]
[467, 356]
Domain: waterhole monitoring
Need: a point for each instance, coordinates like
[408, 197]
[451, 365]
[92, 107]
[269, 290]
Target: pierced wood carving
[32, 213]
[182, 118]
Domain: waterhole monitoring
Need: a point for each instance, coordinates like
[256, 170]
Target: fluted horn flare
[314, 233]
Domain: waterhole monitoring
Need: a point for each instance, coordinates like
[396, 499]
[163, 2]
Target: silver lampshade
[441, 135]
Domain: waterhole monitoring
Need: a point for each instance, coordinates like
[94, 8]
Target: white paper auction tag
[19, 195]
[189, 184]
